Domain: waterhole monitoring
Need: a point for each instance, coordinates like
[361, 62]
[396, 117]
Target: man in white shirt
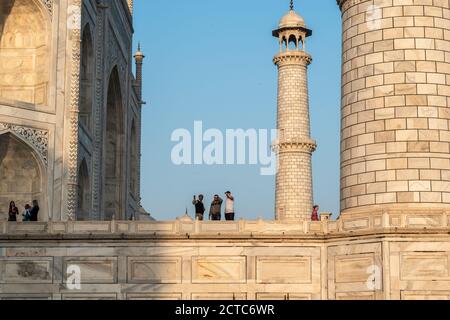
[229, 206]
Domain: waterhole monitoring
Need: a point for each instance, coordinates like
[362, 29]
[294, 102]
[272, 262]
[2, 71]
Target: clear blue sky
[212, 61]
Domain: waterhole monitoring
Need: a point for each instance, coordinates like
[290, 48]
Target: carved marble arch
[22, 175]
[114, 149]
[84, 192]
[24, 51]
[86, 78]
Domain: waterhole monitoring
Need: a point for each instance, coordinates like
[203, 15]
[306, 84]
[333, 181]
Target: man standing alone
[199, 207]
[229, 206]
[216, 209]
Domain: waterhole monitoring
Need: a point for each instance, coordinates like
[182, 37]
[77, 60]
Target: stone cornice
[295, 144]
[345, 4]
[292, 57]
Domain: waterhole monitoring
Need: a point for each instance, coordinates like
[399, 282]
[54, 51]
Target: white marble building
[70, 109]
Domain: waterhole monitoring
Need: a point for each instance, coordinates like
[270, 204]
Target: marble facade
[385, 255]
[70, 109]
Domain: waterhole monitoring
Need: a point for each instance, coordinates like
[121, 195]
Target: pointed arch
[86, 78]
[114, 154]
[24, 51]
[22, 174]
[292, 43]
[84, 192]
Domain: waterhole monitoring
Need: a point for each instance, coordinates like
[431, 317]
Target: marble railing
[393, 220]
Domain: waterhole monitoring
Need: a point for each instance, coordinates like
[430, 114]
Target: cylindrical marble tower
[294, 195]
[395, 104]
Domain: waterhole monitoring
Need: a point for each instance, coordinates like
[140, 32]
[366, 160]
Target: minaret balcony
[299, 144]
[292, 57]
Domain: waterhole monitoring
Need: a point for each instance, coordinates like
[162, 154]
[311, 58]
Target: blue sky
[211, 60]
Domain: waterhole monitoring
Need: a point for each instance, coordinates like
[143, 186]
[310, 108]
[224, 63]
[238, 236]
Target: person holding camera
[215, 212]
[199, 207]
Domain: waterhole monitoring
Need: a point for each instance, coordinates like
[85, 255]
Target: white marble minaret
[294, 147]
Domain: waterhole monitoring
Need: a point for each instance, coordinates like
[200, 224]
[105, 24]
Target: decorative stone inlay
[74, 110]
[36, 137]
[49, 5]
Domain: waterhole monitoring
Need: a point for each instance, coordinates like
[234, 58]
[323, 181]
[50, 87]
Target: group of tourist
[215, 211]
[30, 213]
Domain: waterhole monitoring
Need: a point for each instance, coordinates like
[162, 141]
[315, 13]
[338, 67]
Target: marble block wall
[395, 103]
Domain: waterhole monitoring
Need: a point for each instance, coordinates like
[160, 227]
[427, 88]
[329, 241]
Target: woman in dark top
[13, 212]
[34, 211]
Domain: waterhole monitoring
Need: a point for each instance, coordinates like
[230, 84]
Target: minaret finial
[292, 5]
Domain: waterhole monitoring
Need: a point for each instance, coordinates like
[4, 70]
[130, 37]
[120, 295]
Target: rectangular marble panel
[26, 270]
[356, 224]
[219, 296]
[149, 227]
[154, 270]
[283, 296]
[187, 227]
[154, 296]
[369, 295]
[94, 270]
[315, 227]
[36, 227]
[122, 227]
[395, 221]
[91, 227]
[219, 227]
[59, 227]
[424, 266]
[89, 296]
[424, 220]
[21, 296]
[353, 268]
[219, 269]
[425, 295]
[283, 270]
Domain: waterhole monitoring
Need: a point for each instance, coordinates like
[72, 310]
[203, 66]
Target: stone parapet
[349, 223]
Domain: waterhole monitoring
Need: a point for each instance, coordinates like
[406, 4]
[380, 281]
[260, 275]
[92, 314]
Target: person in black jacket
[34, 211]
[13, 212]
[199, 207]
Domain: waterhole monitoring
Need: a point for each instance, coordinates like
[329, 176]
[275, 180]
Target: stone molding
[38, 138]
[292, 57]
[74, 119]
